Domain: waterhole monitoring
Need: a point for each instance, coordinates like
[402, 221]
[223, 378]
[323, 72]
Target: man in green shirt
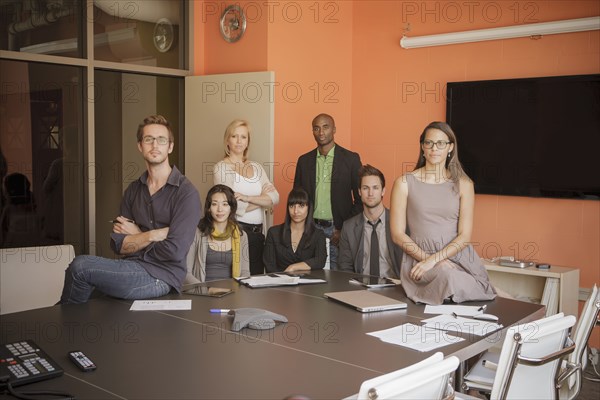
[329, 174]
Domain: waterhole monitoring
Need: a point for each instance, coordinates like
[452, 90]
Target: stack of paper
[420, 338]
[481, 377]
[162, 305]
[461, 325]
[270, 280]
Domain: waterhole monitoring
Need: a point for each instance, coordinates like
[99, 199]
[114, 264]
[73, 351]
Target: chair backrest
[32, 277]
[537, 339]
[583, 330]
[427, 379]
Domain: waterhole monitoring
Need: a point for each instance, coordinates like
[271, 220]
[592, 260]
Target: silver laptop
[366, 301]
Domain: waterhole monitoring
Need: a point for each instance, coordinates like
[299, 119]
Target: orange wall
[406, 91]
[312, 60]
[213, 55]
[382, 96]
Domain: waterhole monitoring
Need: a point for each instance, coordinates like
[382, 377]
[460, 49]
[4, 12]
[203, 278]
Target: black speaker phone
[25, 362]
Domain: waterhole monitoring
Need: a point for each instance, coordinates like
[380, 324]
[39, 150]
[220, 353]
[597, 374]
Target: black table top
[321, 352]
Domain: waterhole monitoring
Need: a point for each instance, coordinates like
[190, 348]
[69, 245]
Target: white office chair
[482, 374]
[570, 377]
[427, 379]
[528, 364]
[32, 277]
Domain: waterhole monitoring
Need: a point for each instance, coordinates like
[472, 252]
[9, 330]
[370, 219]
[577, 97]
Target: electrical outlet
[594, 356]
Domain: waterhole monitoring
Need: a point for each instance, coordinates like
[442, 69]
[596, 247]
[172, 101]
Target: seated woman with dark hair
[220, 249]
[295, 245]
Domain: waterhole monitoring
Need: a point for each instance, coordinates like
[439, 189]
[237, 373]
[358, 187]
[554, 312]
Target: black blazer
[278, 253]
[350, 256]
[345, 200]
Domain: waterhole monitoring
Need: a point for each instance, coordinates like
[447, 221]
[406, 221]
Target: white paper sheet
[162, 305]
[465, 311]
[305, 281]
[462, 325]
[420, 338]
[277, 280]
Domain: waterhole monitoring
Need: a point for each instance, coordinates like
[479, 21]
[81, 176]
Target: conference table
[322, 352]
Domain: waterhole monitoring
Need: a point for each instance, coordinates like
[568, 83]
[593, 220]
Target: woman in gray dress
[220, 249]
[435, 202]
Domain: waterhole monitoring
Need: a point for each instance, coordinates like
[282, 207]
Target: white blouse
[226, 175]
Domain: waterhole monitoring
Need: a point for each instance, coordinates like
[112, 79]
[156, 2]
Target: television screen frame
[529, 136]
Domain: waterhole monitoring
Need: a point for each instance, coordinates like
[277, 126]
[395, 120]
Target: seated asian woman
[220, 249]
[295, 245]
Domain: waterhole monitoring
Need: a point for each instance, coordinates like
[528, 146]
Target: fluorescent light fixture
[507, 32]
[61, 46]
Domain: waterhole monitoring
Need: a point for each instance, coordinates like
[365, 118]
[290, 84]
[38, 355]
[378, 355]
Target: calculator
[24, 362]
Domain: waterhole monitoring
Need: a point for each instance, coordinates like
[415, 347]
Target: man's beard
[373, 206]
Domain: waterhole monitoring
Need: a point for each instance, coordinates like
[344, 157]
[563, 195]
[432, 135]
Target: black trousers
[256, 243]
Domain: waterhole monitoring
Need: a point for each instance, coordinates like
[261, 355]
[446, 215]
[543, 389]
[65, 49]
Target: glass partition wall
[76, 78]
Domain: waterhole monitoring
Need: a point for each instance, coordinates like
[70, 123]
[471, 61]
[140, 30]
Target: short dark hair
[154, 120]
[369, 170]
[326, 116]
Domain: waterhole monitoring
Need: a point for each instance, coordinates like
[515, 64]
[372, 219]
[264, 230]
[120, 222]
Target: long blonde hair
[233, 125]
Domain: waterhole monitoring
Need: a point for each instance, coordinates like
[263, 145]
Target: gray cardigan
[196, 258]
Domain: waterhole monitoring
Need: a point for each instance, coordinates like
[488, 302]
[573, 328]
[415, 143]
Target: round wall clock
[233, 23]
[163, 35]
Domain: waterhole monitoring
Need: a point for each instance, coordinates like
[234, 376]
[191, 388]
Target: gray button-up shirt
[177, 206]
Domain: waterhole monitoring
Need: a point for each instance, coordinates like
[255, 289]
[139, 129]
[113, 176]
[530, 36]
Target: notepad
[160, 305]
[272, 280]
[461, 325]
[366, 301]
[420, 338]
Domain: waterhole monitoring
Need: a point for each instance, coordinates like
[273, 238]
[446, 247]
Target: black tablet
[373, 281]
[203, 290]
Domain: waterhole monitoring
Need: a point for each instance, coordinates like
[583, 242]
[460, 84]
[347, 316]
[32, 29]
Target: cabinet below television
[557, 287]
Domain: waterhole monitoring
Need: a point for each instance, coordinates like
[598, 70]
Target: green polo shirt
[323, 188]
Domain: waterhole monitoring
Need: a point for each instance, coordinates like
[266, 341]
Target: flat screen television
[536, 137]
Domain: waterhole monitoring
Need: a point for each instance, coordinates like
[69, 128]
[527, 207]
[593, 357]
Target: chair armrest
[550, 357]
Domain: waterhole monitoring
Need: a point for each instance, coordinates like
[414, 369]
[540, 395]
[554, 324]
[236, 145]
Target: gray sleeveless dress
[432, 220]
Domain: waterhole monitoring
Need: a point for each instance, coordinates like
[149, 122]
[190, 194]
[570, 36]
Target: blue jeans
[333, 250]
[124, 279]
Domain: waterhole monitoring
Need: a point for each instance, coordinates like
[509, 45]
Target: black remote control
[82, 361]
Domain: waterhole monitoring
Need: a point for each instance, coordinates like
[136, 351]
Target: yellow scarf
[231, 231]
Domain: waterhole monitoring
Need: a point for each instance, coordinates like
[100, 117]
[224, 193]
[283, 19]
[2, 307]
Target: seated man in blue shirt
[366, 245]
[153, 233]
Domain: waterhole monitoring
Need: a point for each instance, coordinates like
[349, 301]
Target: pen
[114, 221]
[219, 310]
[482, 308]
[454, 314]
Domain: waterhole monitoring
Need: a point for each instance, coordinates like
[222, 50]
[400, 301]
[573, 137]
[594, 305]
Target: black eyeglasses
[160, 140]
[440, 144]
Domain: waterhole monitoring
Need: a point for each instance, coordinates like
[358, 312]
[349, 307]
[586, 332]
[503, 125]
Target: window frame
[90, 65]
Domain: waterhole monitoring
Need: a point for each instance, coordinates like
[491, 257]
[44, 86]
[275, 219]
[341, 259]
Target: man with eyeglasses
[154, 231]
[329, 174]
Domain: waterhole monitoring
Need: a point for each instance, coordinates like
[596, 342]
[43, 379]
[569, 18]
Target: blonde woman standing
[253, 190]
